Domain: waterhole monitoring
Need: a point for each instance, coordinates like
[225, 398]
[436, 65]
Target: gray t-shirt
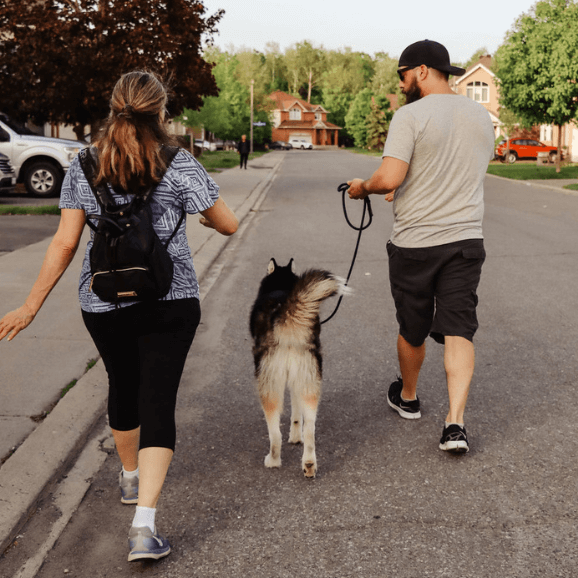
[448, 141]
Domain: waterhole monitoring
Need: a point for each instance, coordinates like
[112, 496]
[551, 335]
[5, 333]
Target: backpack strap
[89, 162]
[88, 158]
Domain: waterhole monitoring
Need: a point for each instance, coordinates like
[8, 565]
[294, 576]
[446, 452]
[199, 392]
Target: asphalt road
[386, 502]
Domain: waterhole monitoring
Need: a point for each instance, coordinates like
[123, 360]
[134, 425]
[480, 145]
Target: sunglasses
[401, 73]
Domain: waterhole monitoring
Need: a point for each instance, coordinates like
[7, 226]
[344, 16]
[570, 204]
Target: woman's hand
[220, 218]
[204, 221]
[14, 322]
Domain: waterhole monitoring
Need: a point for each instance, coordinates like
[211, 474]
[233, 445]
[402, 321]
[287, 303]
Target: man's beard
[413, 92]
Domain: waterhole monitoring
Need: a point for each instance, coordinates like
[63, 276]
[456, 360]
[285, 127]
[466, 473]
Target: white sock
[403, 398]
[144, 517]
[454, 423]
[129, 475]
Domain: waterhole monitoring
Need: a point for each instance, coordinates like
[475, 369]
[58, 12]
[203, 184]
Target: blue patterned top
[186, 185]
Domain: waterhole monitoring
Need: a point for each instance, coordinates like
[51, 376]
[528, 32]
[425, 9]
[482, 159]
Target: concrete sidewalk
[40, 431]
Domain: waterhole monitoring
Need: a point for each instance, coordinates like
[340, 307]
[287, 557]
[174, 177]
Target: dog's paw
[295, 435]
[309, 469]
[271, 462]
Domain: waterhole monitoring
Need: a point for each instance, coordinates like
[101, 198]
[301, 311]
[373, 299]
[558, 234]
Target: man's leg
[459, 360]
[410, 362]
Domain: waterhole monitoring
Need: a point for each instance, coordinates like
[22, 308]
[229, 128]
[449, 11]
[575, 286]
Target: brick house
[294, 118]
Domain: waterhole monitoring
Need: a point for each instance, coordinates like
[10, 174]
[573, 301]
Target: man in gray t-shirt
[434, 162]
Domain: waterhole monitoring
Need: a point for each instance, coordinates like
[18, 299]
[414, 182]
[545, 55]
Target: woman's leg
[153, 466]
[168, 331]
[127, 444]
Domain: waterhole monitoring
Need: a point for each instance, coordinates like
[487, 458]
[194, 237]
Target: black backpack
[128, 262]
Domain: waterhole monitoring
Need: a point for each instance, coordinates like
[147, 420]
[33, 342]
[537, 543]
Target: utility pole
[252, 83]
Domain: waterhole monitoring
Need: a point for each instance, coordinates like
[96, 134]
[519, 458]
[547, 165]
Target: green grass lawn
[364, 151]
[523, 172]
[29, 210]
[213, 161]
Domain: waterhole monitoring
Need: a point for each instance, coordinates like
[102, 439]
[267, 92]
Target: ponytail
[130, 141]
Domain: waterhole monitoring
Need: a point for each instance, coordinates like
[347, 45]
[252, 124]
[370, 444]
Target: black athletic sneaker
[406, 409]
[454, 439]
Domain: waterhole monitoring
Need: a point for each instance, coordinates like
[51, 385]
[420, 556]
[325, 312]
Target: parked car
[7, 175]
[300, 143]
[205, 145]
[280, 145]
[523, 148]
[40, 162]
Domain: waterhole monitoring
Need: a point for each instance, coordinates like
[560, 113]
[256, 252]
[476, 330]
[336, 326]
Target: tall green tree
[347, 73]
[275, 68]
[377, 122]
[305, 64]
[385, 80]
[537, 68]
[228, 115]
[60, 59]
[356, 119]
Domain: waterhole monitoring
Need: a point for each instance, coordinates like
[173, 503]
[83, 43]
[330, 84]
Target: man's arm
[390, 174]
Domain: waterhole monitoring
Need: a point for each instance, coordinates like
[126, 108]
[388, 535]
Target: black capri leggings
[144, 348]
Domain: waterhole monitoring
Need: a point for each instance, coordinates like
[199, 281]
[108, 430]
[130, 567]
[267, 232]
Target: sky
[462, 26]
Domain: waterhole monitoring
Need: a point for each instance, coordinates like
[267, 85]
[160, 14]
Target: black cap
[430, 53]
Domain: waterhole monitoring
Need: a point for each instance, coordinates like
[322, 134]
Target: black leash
[343, 187]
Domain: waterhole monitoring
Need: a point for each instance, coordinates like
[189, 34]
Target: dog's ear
[292, 265]
[271, 267]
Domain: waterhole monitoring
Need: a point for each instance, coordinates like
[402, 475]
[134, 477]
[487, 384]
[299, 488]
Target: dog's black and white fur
[285, 328]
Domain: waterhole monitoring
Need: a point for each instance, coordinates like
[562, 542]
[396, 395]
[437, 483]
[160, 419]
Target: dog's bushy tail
[311, 289]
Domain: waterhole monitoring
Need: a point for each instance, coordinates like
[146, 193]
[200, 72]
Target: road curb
[537, 184]
[48, 451]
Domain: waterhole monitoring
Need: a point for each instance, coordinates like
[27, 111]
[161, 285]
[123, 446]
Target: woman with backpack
[143, 343]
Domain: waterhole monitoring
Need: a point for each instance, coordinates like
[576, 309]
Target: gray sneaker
[144, 545]
[128, 489]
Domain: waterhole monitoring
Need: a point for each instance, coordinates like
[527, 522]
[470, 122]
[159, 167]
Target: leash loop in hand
[343, 188]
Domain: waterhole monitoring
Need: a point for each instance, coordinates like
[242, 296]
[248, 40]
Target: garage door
[305, 137]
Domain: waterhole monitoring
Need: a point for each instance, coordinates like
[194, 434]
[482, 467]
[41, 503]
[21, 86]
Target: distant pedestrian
[143, 345]
[434, 163]
[244, 148]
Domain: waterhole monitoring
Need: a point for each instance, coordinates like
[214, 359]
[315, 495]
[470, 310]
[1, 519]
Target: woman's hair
[130, 142]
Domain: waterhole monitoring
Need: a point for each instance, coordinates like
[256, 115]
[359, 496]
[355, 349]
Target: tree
[275, 68]
[60, 59]
[305, 65]
[537, 69]
[356, 120]
[346, 75]
[385, 81]
[229, 115]
[377, 122]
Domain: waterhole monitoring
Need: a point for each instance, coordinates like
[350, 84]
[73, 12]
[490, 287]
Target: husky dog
[285, 329]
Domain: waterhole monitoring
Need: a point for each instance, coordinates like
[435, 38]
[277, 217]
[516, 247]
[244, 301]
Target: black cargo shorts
[434, 289]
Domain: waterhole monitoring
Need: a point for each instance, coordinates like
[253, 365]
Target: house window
[317, 116]
[478, 91]
[295, 114]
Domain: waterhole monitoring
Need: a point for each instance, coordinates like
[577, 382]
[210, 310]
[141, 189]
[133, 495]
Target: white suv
[40, 162]
[300, 143]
